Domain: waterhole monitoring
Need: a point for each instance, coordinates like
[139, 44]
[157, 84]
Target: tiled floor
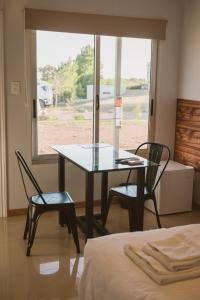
[52, 271]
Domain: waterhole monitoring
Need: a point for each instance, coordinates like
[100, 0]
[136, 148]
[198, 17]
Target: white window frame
[31, 54]
[153, 86]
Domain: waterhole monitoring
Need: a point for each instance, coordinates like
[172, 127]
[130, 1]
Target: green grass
[79, 117]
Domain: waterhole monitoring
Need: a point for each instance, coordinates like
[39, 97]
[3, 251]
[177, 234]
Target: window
[91, 89]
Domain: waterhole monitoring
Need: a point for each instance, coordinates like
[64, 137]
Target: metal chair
[43, 202]
[127, 192]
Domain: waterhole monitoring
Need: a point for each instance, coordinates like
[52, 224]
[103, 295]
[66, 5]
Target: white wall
[189, 84]
[18, 114]
[190, 56]
[3, 177]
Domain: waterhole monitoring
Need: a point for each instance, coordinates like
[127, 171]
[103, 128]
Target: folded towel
[171, 265]
[154, 269]
[182, 246]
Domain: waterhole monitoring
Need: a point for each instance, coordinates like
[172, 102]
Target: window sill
[45, 159]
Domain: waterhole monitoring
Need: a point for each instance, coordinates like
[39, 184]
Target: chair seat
[52, 198]
[129, 191]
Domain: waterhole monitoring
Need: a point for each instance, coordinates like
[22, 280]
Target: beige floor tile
[54, 268]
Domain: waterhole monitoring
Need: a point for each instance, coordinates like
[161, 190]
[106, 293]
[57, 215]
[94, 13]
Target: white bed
[110, 275]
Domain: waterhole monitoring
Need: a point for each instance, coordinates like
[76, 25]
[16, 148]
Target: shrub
[79, 117]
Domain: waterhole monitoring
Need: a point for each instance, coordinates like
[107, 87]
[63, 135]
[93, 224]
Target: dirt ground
[131, 134]
[73, 124]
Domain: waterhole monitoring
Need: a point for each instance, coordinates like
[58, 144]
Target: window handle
[152, 103]
[34, 109]
[97, 102]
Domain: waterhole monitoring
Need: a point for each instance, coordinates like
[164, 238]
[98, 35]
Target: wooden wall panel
[187, 143]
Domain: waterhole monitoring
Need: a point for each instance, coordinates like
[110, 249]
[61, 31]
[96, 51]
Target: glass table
[100, 158]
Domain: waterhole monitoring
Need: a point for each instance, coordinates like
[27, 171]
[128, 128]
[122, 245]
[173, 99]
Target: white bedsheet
[110, 275]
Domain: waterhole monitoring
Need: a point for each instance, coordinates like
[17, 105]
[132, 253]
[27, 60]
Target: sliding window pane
[107, 88]
[65, 75]
[135, 89]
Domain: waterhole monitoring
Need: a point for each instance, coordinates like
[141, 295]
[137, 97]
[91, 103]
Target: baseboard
[17, 212]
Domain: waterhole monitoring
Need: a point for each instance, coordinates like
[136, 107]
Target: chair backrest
[24, 170]
[155, 153]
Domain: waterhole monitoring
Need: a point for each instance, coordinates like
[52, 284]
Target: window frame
[31, 70]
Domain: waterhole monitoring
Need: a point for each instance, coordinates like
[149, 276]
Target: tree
[62, 79]
[68, 76]
[48, 73]
[85, 70]
[70, 79]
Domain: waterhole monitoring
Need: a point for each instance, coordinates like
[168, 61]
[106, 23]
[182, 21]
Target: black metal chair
[127, 192]
[43, 202]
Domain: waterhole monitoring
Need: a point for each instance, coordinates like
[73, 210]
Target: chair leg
[68, 225]
[110, 196]
[27, 225]
[28, 251]
[63, 219]
[32, 231]
[156, 210]
[30, 225]
[71, 216]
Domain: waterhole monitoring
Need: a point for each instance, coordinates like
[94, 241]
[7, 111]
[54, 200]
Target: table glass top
[100, 157]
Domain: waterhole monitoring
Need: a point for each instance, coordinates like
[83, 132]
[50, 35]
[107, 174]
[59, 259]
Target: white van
[44, 94]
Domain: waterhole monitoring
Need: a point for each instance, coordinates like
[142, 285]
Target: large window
[90, 89]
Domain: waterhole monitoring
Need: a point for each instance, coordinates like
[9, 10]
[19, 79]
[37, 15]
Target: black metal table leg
[138, 219]
[104, 193]
[61, 173]
[89, 205]
[61, 183]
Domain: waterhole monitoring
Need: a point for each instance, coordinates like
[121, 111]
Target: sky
[56, 47]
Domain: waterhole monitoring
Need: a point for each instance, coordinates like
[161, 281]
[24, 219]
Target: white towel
[171, 265]
[154, 269]
[178, 252]
[181, 246]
